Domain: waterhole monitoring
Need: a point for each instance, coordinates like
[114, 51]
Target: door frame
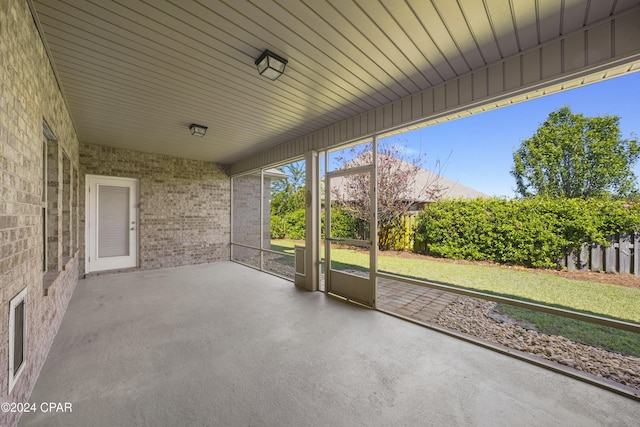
[92, 262]
[353, 288]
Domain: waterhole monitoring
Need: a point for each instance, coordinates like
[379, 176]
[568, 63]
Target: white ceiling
[136, 73]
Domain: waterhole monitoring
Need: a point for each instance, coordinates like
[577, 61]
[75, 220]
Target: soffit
[135, 74]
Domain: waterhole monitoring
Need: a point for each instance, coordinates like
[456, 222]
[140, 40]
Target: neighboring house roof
[449, 189]
[275, 174]
[424, 179]
[271, 174]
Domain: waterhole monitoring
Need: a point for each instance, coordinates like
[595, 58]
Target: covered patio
[234, 346]
[136, 140]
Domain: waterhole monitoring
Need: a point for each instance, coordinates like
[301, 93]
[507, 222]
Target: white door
[112, 228]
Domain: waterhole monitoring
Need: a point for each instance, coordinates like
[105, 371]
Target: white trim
[20, 298]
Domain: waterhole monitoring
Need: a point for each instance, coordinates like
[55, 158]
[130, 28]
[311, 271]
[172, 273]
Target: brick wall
[246, 210]
[246, 217]
[28, 95]
[184, 215]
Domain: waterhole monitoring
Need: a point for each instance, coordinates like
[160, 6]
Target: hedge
[292, 225]
[534, 232]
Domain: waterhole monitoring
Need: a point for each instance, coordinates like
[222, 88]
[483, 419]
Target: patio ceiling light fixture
[271, 65]
[197, 130]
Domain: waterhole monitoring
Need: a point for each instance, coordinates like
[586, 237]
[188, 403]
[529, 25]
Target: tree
[398, 188]
[287, 203]
[287, 194]
[571, 156]
[295, 178]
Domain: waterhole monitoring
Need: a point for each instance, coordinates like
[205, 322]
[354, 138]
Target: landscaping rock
[474, 316]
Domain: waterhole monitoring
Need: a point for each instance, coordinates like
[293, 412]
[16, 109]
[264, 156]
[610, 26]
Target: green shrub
[292, 224]
[295, 224]
[289, 226]
[278, 227]
[343, 224]
[534, 232]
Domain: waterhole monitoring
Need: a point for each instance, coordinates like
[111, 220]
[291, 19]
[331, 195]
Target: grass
[284, 246]
[535, 286]
[591, 297]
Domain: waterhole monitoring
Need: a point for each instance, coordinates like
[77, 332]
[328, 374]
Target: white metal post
[312, 219]
[261, 219]
[374, 222]
[231, 222]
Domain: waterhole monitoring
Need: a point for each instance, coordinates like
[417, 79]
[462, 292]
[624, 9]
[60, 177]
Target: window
[53, 189]
[44, 204]
[59, 206]
[17, 336]
[66, 234]
[74, 210]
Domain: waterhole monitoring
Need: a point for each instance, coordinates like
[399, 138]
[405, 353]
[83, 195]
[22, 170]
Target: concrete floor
[225, 345]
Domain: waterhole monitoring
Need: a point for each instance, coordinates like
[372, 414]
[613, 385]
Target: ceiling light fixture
[271, 65]
[198, 130]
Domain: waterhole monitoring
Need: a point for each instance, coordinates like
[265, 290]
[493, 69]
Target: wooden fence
[620, 256]
[402, 238]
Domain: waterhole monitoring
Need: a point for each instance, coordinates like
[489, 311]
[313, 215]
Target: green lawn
[598, 298]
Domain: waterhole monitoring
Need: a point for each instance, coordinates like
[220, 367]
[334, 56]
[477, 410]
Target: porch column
[312, 213]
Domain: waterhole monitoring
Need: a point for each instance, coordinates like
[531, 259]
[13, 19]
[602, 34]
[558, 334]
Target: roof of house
[426, 187]
[449, 189]
[275, 174]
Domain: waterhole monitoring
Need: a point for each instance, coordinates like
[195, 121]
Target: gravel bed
[474, 317]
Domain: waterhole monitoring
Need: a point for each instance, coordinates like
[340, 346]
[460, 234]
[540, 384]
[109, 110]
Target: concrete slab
[225, 345]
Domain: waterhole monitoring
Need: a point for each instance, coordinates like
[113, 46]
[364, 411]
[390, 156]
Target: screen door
[348, 234]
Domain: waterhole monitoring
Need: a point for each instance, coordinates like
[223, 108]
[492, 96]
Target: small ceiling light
[270, 65]
[197, 130]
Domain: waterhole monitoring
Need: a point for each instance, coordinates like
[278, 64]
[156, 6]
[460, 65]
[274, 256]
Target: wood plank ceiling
[136, 73]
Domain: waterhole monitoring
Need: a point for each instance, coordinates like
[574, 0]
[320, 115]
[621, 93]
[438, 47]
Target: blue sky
[479, 148]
